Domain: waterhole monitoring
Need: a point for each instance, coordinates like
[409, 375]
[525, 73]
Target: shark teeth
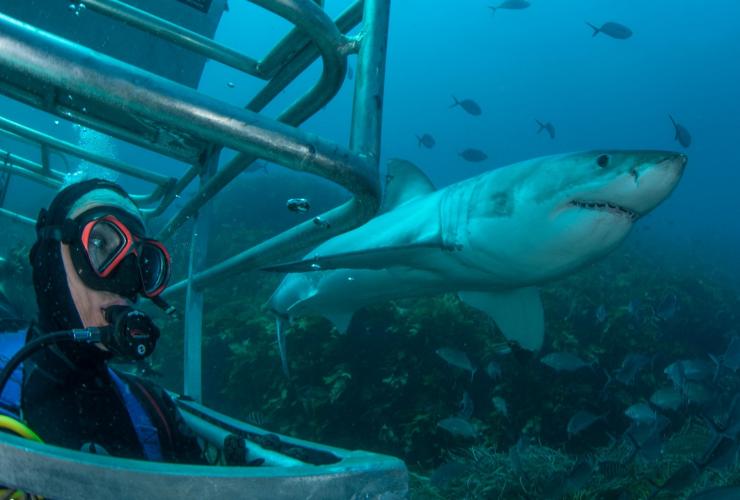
[606, 206]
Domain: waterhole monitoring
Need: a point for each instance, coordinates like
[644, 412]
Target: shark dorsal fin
[404, 182]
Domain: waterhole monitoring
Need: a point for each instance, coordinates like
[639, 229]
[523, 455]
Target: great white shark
[492, 238]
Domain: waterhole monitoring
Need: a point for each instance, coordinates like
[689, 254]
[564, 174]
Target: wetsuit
[72, 401]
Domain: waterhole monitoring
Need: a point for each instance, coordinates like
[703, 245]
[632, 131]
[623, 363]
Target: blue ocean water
[542, 63]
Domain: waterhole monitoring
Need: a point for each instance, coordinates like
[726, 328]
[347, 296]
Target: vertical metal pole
[367, 112]
[193, 364]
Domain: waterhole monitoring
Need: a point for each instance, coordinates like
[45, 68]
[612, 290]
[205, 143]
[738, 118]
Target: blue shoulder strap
[10, 399]
[145, 430]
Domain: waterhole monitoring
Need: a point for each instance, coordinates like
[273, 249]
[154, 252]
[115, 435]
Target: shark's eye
[603, 161]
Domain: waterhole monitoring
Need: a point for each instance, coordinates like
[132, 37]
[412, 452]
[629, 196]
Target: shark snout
[675, 162]
[655, 181]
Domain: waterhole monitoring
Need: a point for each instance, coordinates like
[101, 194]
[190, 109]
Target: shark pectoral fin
[404, 181]
[518, 313]
[340, 320]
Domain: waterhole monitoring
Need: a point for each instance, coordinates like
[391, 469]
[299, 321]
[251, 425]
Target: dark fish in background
[546, 126]
[581, 421]
[510, 4]
[468, 105]
[298, 205]
[614, 30]
[445, 473]
[458, 359]
[493, 370]
[649, 447]
[667, 307]
[350, 72]
[685, 370]
[731, 358]
[684, 477]
[600, 313]
[578, 477]
[427, 141]
[466, 405]
[633, 309]
[458, 427]
[698, 393]
[564, 362]
[667, 398]
[682, 134]
[473, 155]
[631, 366]
[500, 405]
[641, 414]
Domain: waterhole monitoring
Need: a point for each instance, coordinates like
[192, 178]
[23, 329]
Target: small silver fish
[600, 313]
[466, 406]
[298, 205]
[667, 398]
[457, 358]
[685, 370]
[667, 307]
[631, 366]
[731, 357]
[564, 361]
[581, 421]
[493, 370]
[458, 427]
[500, 405]
[641, 414]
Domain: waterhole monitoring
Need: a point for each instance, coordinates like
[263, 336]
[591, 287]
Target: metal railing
[128, 103]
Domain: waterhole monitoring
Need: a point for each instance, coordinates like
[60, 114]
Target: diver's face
[89, 303]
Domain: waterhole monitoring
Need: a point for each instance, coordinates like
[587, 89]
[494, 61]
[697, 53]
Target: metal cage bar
[124, 101]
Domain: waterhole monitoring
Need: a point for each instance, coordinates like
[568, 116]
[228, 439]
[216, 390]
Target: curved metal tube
[366, 137]
[116, 85]
[329, 41]
[59, 145]
[174, 33]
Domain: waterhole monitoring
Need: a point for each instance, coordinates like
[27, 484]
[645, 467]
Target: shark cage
[130, 71]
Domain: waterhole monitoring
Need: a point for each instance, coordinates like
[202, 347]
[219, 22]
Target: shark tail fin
[455, 102]
[418, 138]
[542, 126]
[493, 9]
[281, 324]
[596, 30]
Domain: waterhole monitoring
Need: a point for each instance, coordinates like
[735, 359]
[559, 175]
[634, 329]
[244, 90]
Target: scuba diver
[91, 262]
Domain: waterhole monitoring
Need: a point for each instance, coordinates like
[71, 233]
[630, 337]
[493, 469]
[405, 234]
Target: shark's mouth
[605, 206]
